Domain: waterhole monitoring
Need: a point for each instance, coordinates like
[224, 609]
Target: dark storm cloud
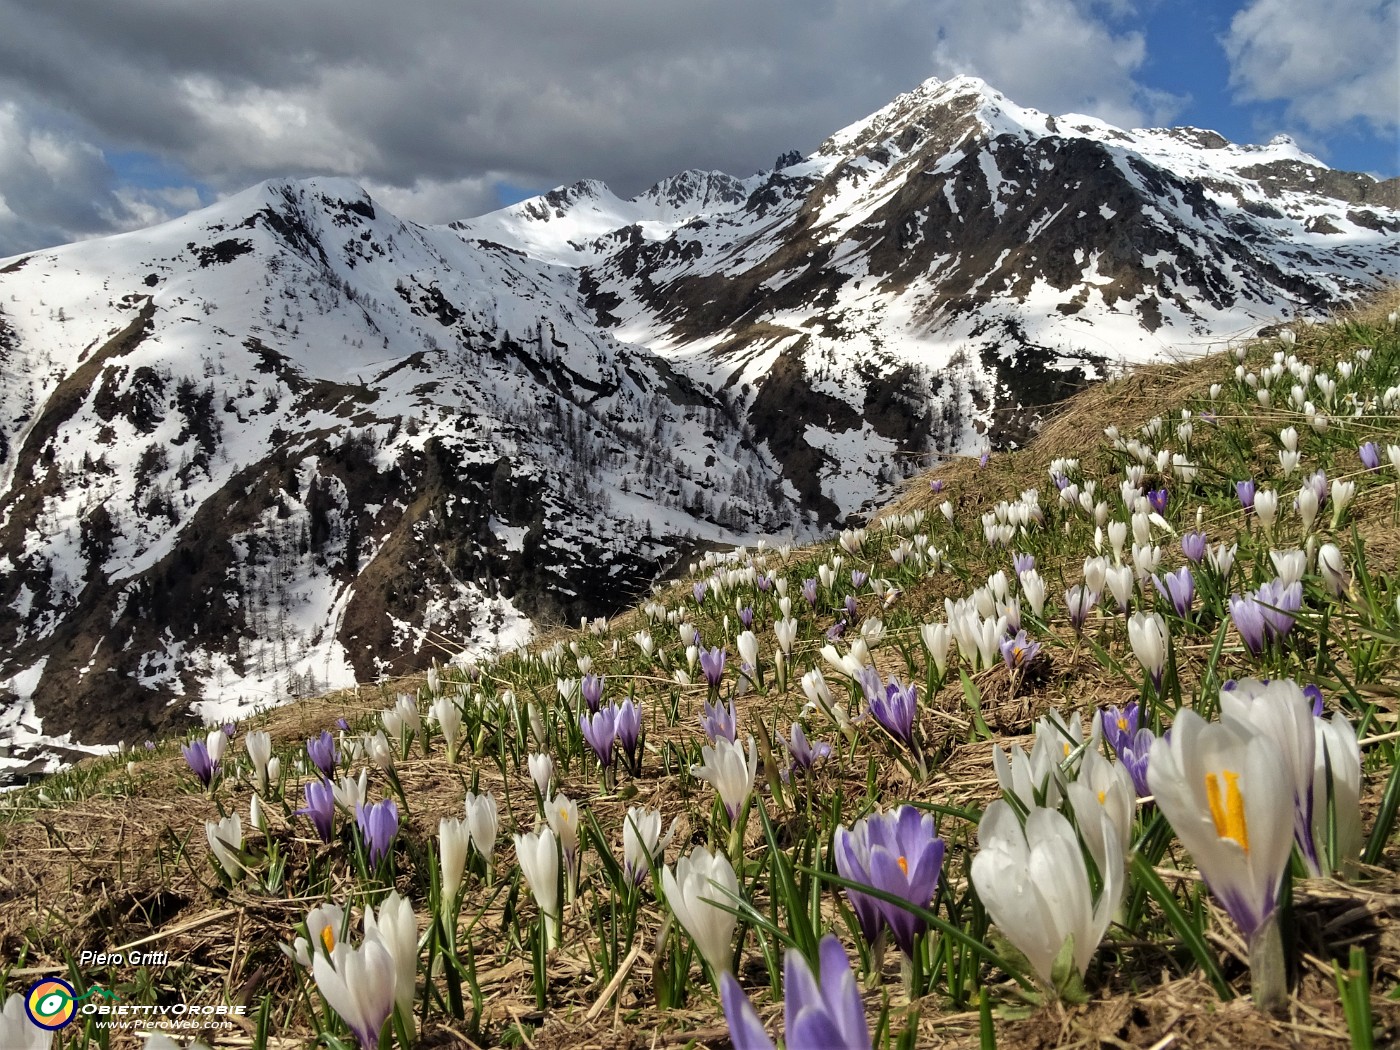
[431, 102]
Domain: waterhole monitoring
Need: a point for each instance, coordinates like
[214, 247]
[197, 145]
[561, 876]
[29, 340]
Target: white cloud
[1054, 55]
[437, 200]
[59, 188]
[427, 101]
[1330, 64]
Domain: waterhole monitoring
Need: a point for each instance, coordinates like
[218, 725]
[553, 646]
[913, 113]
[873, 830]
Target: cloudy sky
[115, 114]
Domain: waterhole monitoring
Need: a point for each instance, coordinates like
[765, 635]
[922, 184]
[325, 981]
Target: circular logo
[50, 1003]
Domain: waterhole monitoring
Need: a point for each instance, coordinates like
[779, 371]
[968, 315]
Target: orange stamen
[328, 939]
[904, 865]
[1228, 813]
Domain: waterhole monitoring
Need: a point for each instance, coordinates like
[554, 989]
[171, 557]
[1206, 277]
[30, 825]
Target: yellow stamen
[1016, 652]
[1229, 814]
[904, 865]
[1066, 747]
[1101, 795]
[1122, 724]
[328, 939]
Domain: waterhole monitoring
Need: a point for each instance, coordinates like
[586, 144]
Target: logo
[51, 1004]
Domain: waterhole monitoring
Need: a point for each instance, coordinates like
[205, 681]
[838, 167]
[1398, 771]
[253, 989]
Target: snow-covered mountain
[291, 441]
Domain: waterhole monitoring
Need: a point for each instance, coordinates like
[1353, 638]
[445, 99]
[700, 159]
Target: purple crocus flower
[817, 1016]
[379, 823]
[898, 853]
[1193, 545]
[1245, 491]
[600, 730]
[1022, 563]
[197, 755]
[765, 583]
[1277, 604]
[1177, 587]
[1018, 651]
[1134, 759]
[1318, 482]
[896, 707]
[1118, 725]
[712, 664]
[1248, 618]
[591, 688]
[836, 630]
[809, 591]
[342, 725]
[230, 729]
[1370, 454]
[982, 460]
[1061, 481]
[858, 578]
[629, 732]
[698, 590]
[1157, 499]
[720, 721]
[1314, 694]
[320, 807]
[1079, 602]
[746, 617]
[804, 754]
[852, 608]
[322, 752]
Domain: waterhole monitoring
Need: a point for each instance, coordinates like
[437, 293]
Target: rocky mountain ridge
[292, 441]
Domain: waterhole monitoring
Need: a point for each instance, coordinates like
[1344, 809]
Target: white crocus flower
[396, 928]
[1034, 590]
[1278, 710]
[1035, 885]
[1342, 495]
[538, 853]
[541, 772]
[483, 822]
[1147, 633]
[225, 842]
[1027, 776]
[1266, 507]
[349, 793]
[454, 836]
[1336, 749]
[379, 752]
[217, 744]
[747, 643]
[872, 630]
[937, 639]
[1119, 579]
[1332, 569]
[257, 819]
[702, 887]
[785, 631]
[259, 745]
[17, 1031]
[642, 843]
[359, 985]
[1289, 565]
[1104, 786]
[324, 924]
[725, 767]
[448, 717]
[1307, 507]
[1226, 792]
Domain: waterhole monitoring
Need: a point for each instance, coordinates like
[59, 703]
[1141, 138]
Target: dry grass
[125, 865]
